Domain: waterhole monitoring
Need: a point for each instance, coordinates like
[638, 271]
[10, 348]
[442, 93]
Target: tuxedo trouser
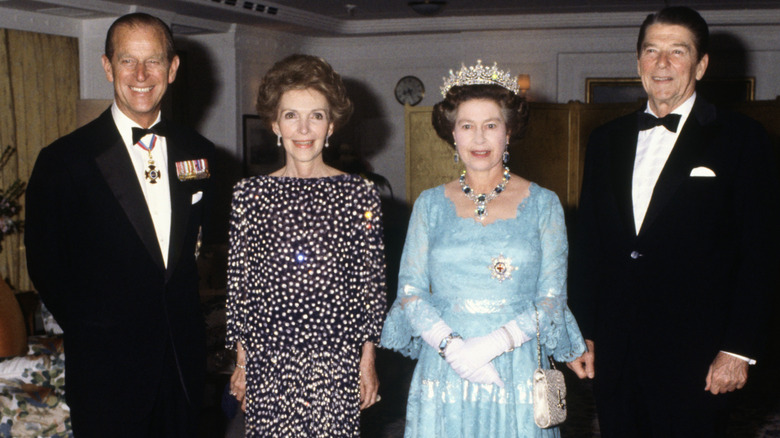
[640, 407]
[172, 415]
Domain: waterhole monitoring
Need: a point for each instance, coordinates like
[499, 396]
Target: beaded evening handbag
[549, 390]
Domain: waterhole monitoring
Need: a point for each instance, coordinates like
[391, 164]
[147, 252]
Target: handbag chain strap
[539, 342]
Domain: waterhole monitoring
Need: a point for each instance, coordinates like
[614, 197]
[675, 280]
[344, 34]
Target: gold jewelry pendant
[152, 173]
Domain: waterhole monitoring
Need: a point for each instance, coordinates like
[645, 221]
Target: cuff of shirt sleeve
[746, 359]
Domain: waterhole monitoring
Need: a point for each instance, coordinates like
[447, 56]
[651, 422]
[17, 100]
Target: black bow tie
[139, 133]
[649, 121]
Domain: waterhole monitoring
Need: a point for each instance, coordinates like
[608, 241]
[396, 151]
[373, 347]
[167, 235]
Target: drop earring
[506, 157]
[278, 140]
[455, 157]
[326, 141]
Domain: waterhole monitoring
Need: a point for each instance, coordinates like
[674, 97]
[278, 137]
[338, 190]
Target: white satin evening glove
[434, 335]
[480, 351]
[485, 374]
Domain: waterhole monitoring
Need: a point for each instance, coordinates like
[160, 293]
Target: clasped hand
[471, 359]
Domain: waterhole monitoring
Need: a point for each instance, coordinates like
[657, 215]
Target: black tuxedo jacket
[695, 279]
[93, 256]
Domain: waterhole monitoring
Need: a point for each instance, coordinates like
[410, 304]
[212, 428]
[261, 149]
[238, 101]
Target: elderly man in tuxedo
[675, 246]
[114, 212]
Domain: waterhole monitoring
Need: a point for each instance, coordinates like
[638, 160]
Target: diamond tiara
[479, 74]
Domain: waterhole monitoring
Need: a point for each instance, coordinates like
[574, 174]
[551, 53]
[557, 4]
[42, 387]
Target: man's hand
[583, 365]
[727, 373]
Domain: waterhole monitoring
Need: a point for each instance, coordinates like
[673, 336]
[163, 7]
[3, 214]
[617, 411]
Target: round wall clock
[409, 90]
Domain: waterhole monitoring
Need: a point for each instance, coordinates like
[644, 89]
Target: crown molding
[271, 13]
[541, 21]
[33, 22]
[212, 16]
[295, 20]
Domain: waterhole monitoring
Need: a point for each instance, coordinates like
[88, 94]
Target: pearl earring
[278, 140]
[326, 141]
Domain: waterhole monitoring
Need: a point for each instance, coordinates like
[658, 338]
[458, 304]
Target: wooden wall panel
[428, 158]
[542, 156]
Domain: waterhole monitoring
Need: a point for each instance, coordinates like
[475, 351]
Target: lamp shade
[524, 82]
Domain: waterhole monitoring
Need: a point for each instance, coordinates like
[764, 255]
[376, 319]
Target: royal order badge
[152, 173]
[501, 268]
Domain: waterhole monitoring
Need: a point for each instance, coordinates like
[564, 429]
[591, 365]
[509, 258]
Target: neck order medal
[152, 173]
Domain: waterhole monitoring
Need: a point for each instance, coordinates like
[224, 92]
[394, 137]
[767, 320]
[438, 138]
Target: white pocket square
[196, 197]
[702, 171]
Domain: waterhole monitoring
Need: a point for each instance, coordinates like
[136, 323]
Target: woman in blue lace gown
[306, 285]
[482, 252]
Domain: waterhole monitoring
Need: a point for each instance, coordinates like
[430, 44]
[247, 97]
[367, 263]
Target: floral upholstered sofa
[32, 388]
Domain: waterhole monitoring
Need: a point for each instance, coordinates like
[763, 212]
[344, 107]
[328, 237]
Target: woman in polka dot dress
[306, 281]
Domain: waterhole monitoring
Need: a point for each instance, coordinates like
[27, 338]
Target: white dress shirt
[158, 195]
[652, 150]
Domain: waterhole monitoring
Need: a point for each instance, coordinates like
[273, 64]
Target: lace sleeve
[412, 313]
[559, 333]
[236, 269]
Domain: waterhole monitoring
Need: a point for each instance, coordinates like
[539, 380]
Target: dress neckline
[341, 176]
[532, 187]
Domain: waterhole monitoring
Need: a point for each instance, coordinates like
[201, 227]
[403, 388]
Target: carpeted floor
[756, 413]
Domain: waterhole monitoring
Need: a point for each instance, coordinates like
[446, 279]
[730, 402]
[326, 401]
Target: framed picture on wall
[613, 90]
[261, 155]
[721, 91]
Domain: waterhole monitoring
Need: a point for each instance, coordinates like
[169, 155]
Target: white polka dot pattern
[306, 288]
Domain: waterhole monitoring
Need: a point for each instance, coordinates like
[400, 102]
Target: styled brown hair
[681, 16]
[299, 72]
[139, 19]
[514, 108]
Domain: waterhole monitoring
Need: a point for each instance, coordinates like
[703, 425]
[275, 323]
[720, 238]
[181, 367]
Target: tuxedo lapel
[114, 163]
[691, 142]
[623, 153]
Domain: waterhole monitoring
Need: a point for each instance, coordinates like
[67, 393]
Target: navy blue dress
[306, 289]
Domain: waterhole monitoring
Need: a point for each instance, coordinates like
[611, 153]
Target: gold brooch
[368, 215]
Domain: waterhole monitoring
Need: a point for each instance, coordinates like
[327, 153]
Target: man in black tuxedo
[112, 230]
[675, 246]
